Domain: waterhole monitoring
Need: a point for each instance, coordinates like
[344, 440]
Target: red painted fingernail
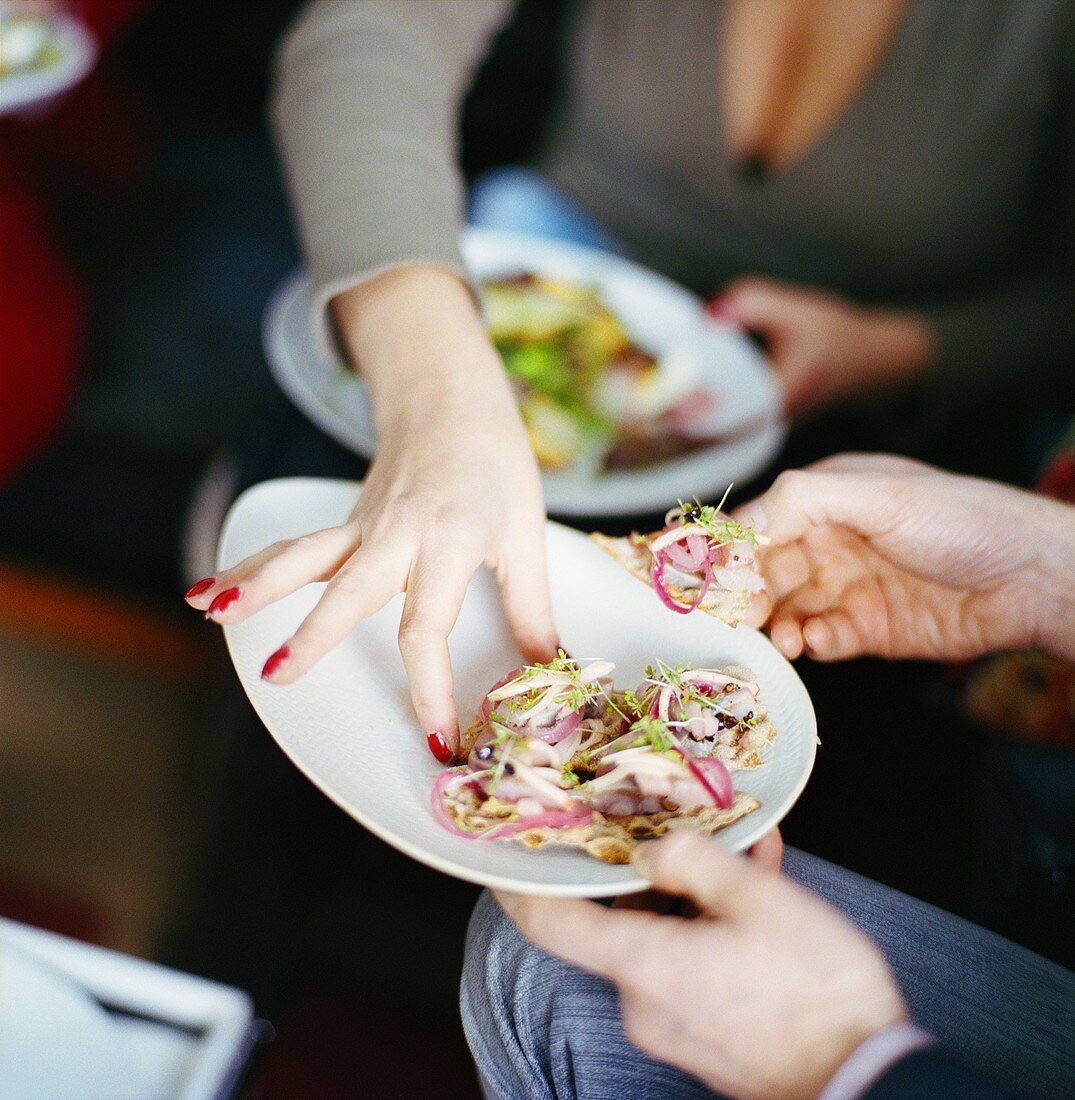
[199, 587]
[721, 309]
[223, 602]
[272, 665]
[439, 747]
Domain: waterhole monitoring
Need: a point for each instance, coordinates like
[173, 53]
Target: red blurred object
[720, 308]
[88, 137]
[342, 1043]
[45, 907]
[1058, 478]
[41, 313]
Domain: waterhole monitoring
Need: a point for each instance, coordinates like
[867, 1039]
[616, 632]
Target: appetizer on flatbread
[717, 711]
[557, 755]
[562, 703]
[702, 560]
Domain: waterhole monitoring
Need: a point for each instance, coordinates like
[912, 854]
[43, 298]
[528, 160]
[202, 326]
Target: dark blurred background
[141, 804]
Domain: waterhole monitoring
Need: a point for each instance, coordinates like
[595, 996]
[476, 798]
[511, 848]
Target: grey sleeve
[1025, 324]
[365, 109]
[1007, 331]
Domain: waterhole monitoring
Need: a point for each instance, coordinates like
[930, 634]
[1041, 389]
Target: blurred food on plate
[27, 38]
[591, 397]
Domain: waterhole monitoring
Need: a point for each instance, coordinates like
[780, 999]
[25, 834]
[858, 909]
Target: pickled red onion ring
[689, 554]
[487, 706]
[438, 808]
[714, 776]
[564, 728]
[556, 819]
[657, 576]
[559, 819]
[662, 705]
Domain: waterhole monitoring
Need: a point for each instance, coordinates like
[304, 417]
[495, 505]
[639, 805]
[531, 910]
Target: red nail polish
[439, 747]
[720, 309]
[223, 601]
[272, 665]
[199, 587]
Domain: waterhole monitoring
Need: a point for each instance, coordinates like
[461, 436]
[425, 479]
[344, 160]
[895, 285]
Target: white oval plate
[659, 314]
[77, 51]
[349, 727]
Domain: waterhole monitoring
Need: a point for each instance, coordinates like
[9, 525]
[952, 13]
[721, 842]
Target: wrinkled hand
[765, 994]
[823, 347]
[877, 555]
[454, 485]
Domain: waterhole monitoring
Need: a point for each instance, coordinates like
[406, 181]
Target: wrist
[901, 345]
[873, 1058]
[402, 311]
[417, 338]
[1052, 584]
[851, 1038]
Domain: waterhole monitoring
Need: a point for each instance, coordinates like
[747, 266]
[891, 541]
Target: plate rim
[446, 865]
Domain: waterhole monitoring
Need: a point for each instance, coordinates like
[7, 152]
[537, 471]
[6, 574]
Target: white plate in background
[349, 727]
[56, 1041]
[81, 1022]
[76, 55]
[660, 316]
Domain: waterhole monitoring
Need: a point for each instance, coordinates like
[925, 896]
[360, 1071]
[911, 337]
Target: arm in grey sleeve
[1024, 324]
[365, 108]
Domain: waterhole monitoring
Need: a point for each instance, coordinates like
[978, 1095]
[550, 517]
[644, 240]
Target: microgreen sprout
[576, 693]
[719, 528]
[663, 675]
[632, 702]
[654, 733]
[687, 691]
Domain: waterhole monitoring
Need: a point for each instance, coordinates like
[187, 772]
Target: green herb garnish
[718, 527]
[653, 732]
[576, 694]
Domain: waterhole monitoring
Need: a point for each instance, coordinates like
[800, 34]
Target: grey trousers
[540, 1029]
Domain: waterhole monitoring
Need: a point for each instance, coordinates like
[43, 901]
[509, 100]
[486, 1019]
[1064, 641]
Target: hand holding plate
[730, 996]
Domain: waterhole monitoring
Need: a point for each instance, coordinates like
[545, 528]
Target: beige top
[946, 185]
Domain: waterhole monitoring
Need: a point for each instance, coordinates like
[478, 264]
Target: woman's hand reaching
[877, 555]
[824, 347]
[454, 486]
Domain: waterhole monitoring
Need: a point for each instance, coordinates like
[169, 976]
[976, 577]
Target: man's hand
[876, 555]
[764, 994]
